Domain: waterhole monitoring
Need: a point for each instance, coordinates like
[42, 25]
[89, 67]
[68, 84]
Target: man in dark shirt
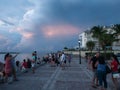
[94, 69]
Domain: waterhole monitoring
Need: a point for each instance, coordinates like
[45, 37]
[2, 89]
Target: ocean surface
[21, 56]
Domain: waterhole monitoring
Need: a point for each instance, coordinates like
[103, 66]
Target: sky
[50, 25]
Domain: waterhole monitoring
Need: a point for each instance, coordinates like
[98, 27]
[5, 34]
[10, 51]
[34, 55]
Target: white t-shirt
[62, 57]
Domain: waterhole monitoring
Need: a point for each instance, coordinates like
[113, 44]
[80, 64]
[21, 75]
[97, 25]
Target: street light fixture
[79, 42]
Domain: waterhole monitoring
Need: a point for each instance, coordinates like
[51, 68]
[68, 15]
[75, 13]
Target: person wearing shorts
[114, 67]
[33, 63]
[94, 69]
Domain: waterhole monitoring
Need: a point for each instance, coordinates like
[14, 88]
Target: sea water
[21, 56]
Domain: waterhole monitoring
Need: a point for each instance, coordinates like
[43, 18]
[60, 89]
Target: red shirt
[24, 64]
[8, 67]
[114, 65]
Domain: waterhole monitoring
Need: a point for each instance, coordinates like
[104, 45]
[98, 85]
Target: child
[24, 66]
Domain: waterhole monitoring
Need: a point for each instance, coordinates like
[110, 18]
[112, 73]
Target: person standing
[89, 62]
[53, 60]
[33, 63]
[35, 54]
[50, 57]
[14, 67]
[56, 59]
[114, 68]
[94, 69]
[69, 59]
[62, 61]
[18, 66]
[8, 68]
[101, 73]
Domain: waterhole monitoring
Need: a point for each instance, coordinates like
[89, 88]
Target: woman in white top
[62, 58]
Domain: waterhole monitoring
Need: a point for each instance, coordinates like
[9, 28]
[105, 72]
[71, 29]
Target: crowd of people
[97, 64]
[58, 59]
[100, 70]
[10, 67]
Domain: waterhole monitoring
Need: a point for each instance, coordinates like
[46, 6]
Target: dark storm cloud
[84, 12]
[79, 13]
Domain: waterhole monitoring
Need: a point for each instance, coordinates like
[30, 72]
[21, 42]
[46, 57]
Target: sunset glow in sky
[50, 25]
[60, 31]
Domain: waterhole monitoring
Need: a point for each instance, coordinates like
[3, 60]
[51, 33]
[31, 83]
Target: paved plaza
[76, 77]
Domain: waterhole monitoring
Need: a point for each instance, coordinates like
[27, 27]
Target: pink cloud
[25, 34]
[59, 30]
[19, 29]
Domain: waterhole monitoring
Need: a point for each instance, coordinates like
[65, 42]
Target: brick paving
[76, 77]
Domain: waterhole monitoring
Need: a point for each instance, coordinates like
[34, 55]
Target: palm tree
[65, 48]
[116, 28]
[98, 32]
[116, 34]
[107, 40]
[104, 37]
[90, 45]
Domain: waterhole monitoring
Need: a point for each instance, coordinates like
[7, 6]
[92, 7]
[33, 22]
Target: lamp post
[79, 42]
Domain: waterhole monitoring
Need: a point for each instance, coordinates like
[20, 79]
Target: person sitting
[24, 66]
[28, 63]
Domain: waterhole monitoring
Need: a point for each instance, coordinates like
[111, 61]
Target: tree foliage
[65, 48]
[90, 45]
[105, 38]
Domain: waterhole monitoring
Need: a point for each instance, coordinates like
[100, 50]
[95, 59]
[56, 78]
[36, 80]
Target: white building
[116, 45]
[86, 36]
[83, 39]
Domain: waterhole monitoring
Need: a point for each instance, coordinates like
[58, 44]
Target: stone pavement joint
[50, 81]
